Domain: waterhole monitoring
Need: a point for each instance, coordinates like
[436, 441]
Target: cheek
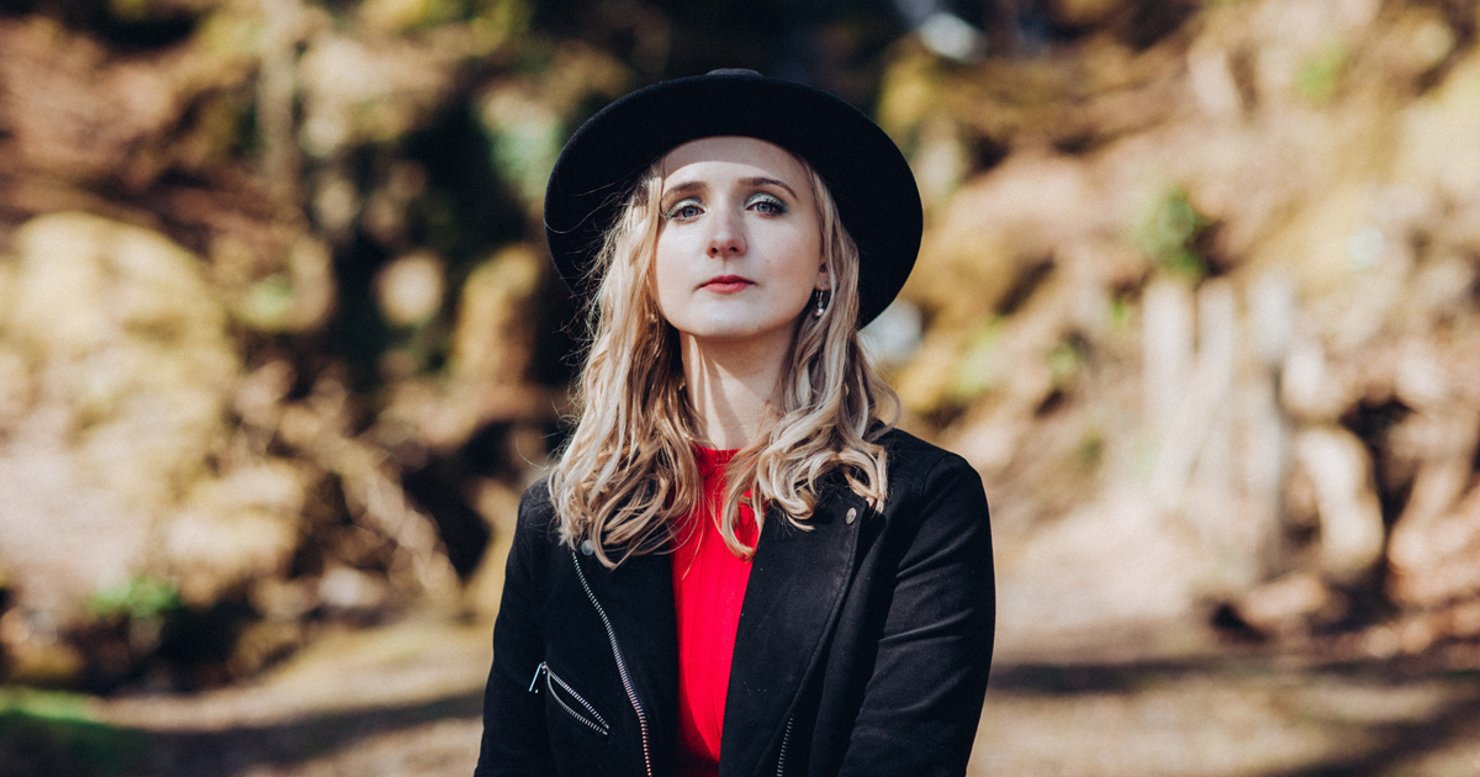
[803, 259]
[667, 277]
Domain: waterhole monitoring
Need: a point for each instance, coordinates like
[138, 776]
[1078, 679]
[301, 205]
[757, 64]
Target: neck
[734, 388]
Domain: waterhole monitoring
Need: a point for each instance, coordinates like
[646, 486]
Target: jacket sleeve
[515, 743]
[923, 701]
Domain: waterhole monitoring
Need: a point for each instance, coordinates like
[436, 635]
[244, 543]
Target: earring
[821, 304]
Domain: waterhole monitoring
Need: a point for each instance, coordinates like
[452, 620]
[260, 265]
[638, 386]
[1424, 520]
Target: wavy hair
[628, 471]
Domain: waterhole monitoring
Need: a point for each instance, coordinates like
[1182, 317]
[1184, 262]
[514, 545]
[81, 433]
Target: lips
[727, 284]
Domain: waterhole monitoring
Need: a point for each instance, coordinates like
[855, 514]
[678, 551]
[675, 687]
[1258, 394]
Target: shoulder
[537, 513]
[536, 497]
[535, 542]
[935, 495]
[915, 464]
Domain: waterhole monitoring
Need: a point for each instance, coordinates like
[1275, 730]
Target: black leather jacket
[863, 646]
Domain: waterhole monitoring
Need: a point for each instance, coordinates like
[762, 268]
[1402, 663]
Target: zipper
[785, 745]
[590, 718]
[611, 635]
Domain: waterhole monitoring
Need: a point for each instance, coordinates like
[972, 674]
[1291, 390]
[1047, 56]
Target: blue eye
[684, 210]
[766, 203]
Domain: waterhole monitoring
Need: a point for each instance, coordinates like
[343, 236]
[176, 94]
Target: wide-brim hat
[865, 173]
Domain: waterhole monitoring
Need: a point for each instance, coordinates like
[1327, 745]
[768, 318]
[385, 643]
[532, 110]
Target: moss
[52, 733]
[978, 369]
[1066, 360]
[1168, 234]
[1320, 75]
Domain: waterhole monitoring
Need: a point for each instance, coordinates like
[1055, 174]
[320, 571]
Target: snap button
[587, 548]
[851, 516]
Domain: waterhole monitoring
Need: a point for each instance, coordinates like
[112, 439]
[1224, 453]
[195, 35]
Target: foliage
[1066, 360]
[1168, 235]
[978, 370]
[141, 598]
[1319, 77]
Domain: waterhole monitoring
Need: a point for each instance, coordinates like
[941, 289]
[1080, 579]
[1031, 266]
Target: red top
[708, 589]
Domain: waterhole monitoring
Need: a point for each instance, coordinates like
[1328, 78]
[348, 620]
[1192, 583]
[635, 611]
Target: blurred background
[279, 348]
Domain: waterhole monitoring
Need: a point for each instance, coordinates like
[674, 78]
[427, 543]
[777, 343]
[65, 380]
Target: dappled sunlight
[1198, 296]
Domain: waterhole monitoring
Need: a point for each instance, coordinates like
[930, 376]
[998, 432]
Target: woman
[736, 567]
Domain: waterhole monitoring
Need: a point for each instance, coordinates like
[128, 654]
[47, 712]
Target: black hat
[865, 172]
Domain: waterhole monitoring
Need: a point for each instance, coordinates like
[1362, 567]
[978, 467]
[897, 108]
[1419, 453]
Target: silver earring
[821, 304]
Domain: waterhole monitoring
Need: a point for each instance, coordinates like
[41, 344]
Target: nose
[727, 237]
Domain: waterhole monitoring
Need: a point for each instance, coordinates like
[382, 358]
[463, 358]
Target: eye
[684, 210]
[766, 203]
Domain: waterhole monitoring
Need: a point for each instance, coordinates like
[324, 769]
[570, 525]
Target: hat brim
[867, 176]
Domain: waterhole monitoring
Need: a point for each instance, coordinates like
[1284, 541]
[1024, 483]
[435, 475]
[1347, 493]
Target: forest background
[279, 348]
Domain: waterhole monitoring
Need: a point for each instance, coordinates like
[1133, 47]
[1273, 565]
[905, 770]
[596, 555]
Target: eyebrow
[762, 181]
[689, 187]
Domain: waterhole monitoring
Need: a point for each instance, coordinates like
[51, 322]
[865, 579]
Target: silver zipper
[785, 745]
[611, 636]
[590, 718]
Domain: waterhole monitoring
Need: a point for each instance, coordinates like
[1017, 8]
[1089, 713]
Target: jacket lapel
[796, 582]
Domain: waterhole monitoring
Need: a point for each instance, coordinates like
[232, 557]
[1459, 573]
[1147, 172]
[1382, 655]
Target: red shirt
[708, 589]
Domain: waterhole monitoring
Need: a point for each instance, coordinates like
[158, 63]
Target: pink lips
[727, 284]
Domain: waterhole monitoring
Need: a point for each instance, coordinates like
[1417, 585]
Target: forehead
[734, 154]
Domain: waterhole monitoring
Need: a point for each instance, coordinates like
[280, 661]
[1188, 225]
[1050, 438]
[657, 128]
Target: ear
[824, 278]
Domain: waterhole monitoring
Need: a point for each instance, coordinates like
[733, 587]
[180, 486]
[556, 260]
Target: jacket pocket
[569, 700]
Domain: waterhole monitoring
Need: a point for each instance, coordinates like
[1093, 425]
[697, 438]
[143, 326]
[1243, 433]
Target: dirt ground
[404, 700]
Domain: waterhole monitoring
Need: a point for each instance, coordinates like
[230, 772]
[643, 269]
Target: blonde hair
[628, 471]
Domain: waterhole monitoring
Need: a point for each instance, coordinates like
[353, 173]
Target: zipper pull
[534, 682]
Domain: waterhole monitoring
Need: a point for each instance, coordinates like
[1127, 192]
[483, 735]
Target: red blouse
[708, 589]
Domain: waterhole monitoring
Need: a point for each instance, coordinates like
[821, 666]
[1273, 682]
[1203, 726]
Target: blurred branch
[275, 97]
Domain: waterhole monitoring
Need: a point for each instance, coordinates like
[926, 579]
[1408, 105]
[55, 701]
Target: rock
[1437, 561]
[1303, 46]
[113, 473]
[999, 228]
[31, 652]
[74, 110]
[360, 91]
[1312, 388]
[1411, 47]
[16, 388]
[83, 281]
[234, 530]
[1290, 605]
[1434, 142]
[1351, 527]
[131, 347]
[350, 591]
[1352, 263]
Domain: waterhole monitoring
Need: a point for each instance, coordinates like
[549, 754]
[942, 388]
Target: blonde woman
[736, 566]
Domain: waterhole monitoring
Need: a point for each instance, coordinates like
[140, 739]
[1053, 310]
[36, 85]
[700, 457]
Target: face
[739, 248]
